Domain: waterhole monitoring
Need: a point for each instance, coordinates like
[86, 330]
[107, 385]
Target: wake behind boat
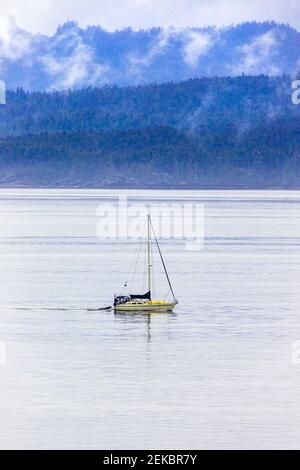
[144, 302]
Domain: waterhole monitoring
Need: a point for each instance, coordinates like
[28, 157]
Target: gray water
[218, 373]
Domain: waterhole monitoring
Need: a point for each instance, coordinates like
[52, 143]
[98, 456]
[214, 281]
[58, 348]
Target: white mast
[149, 254]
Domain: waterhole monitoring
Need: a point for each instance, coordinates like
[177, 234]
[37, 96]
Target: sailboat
[144, 302]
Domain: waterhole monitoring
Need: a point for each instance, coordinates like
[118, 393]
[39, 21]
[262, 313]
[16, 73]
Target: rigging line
[134, 258]
[149, 261]
[167, 293]
[145, 264]
[153, 276]
[135, 266]
[144, 272]
[162, 260]
[156, 272]
[128, 280]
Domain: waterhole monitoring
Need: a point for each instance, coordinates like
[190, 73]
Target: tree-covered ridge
[268, 156]
[208, 103]
[241, 132]
[75, 58]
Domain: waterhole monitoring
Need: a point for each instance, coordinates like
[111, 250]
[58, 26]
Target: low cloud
[158, 47]
[197, 45]
[198, 117]
[78, 68]
[258, 56]
[194, 45]
[14, 42]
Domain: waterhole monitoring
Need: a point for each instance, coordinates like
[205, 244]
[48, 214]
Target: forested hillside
[190, 106]
[75, 58]
[241, 132]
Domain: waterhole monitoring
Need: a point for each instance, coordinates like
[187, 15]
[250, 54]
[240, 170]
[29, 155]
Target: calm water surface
[218, 373]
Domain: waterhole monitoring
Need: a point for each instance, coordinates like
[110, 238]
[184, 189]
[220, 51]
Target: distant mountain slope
[268, 156]
[240, 132]
[191, 106]
[75, 58]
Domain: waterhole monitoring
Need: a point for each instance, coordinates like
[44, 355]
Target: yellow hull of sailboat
[149, 306]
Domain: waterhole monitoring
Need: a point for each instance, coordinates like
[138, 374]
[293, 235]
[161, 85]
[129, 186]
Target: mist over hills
[234, 132]
[190, 106]
[92, 108]
[76, 58]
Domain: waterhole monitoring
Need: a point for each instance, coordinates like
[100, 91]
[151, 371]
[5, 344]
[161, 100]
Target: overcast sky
[44, 15]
